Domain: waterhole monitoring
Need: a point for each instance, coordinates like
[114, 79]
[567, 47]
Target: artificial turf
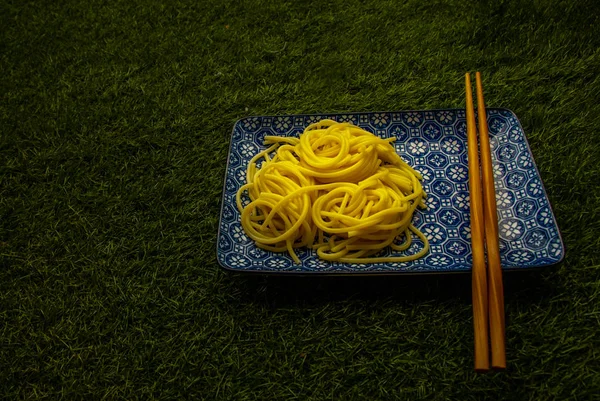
[115, 119]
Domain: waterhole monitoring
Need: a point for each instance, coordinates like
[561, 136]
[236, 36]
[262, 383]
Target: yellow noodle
[338, 189]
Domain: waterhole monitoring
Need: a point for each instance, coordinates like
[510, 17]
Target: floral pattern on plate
[434, 143]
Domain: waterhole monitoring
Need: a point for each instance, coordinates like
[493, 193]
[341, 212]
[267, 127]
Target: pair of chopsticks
[488, 293]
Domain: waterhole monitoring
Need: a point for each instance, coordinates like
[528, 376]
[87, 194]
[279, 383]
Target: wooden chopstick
[479, 275]
[495, 287]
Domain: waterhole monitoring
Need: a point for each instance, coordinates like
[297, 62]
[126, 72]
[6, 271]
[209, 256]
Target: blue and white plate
[434, 143]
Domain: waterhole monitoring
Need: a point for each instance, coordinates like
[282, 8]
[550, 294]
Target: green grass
[114, 126]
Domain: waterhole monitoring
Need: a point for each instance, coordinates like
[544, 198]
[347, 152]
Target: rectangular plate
[434, 143]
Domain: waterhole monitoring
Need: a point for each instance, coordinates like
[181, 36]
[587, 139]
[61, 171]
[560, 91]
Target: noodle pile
[338, 189]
